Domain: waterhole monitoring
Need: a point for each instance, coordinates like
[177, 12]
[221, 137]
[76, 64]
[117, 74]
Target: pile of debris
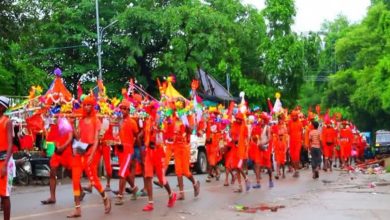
[373, 166]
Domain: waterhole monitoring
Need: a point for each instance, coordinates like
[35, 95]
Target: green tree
[283, 51]
[362, 84]
[219, 36]
[17, 71]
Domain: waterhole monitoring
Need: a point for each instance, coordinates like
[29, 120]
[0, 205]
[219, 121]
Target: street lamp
[99, 33]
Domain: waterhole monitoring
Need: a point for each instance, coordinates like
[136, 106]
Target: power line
[60, 48]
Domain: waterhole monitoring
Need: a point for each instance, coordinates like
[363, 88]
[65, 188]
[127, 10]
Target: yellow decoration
[105, 108]
[277, 95]
[220, 107]
[66, 108]
[171, 92]
[212, 109]
[38, 89]
[115, 101]
[179, 104]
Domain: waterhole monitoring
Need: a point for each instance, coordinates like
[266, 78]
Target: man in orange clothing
[239, 141]
[329, 140]
[212, 149]
[168, 132]
[266, 142]
[106, 153]
[280, 146]
[128, 132]
[362, 144]
[227, 152]
[307, 127]
[254, 126]
[345, 140]
[104, 150]
[182, 152]
[155, 162]
[296, 138]
[84, 148]
[61, 157]
[5, 156]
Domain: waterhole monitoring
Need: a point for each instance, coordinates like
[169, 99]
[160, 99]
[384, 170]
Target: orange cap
[125, 103]
[89, 100]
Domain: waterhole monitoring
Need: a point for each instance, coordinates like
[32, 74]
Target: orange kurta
[65, 158]
[254, 151]
[168, 134]
[5, 186]
[280, 147]
[329, 140]
[181, 149]
[265, 154]
[88, 131]
[295, 132]
[345, 140]
[212, 148]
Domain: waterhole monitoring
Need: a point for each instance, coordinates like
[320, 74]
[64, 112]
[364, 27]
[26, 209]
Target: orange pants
[265, 158]
[182, 159]
[212, 154]
[168, 153]
[80, 164]
[295, 151]
[227, 154]
[155, 163]
[124, 159]
[328, 151]
[64, 159]
[345, 150]
[105, 151]
[280, 152]
[6, 180]
[254, 152]
[236, 160]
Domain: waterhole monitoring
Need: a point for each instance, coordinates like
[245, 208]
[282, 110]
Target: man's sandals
[107, 204]
[87, 189]
[75, 213]
[48, 202]
[107, 208]
[196, 188]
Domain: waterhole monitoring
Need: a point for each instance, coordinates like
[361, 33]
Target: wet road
[337, 195]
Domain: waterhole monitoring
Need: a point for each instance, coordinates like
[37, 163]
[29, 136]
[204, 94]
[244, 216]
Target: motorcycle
[30, 169]
[23, 171]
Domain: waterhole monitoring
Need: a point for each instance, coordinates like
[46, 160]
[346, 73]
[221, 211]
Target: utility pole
[100, 36]
[99, 41]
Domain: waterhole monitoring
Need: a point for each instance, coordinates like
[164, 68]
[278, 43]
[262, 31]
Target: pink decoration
[64, 126]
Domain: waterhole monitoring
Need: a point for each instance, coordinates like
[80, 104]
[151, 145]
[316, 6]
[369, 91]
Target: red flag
[35, 123]
[318, 110]
[271, 109]
[230, 110]
[79, 90]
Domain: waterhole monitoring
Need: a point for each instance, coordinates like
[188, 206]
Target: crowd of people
[275, 144]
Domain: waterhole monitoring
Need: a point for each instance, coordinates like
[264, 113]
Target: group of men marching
[273, 144]
[81, 148]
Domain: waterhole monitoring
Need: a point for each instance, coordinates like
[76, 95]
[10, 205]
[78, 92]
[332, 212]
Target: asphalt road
[336, 195]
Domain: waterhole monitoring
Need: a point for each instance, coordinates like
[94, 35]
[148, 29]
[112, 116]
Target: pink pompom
[64, 126]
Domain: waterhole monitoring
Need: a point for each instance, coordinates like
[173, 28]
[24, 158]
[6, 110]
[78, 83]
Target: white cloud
[312, 13]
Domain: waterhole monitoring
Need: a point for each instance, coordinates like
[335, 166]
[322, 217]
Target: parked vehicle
[23, 171]
[369, 150]
[32, 168]
[382, 142]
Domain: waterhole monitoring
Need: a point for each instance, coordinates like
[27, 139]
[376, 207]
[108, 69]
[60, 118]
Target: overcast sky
[312, 13]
